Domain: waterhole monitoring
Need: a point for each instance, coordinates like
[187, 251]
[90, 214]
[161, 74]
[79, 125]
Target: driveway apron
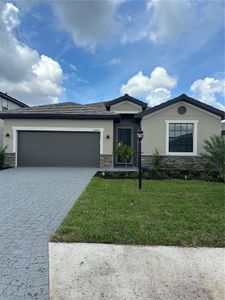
[33, 202]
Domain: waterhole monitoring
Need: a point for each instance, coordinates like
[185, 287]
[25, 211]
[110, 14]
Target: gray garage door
[41, 148]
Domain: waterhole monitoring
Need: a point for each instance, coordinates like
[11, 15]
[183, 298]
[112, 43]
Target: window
[4, 104]
[124, 136]
[181, 138]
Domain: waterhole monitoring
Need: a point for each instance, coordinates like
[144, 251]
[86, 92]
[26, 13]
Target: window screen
[181, 137]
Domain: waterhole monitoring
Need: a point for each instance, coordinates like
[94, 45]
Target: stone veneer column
[106, 161]
[10, 159]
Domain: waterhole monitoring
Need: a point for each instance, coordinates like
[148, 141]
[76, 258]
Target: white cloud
[89, 22]
[25, 74]
[208, 89]
[179, 20]
[114, 61]
[9, 16]
[73, 67]
[155, 88]
[168, 19]
[158, 96]
[133, 38]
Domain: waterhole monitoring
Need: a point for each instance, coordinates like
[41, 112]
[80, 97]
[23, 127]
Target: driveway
[33, 202]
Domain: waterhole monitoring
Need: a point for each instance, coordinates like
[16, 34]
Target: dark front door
[124, 136]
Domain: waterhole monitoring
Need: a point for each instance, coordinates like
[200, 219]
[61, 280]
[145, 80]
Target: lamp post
[140, 137]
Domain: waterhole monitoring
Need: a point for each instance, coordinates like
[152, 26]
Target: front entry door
[124, 135]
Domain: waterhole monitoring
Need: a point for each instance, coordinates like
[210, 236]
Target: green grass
[165, 212]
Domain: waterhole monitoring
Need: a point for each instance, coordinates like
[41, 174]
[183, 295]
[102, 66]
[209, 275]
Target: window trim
[194, 152]
[5, 107]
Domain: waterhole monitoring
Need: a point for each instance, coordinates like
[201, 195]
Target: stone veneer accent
[180, 162]
[10, 159]
[106, 161]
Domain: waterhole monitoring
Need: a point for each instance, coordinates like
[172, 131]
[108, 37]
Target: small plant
[124, 153]
[192, 172]
[172, 171]
[134, 175]
[2, 156]
[156, 162]
[215, 154]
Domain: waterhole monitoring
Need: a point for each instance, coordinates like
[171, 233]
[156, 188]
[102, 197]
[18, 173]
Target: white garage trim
[72, 129]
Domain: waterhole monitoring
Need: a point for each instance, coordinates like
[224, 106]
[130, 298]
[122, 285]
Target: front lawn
[165, 212]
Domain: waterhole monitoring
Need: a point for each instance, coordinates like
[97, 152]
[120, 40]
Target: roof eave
[57, 116]
[125, 97]
[184, 98]
[7, 97]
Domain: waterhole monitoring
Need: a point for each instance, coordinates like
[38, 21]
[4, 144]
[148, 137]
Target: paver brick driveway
[33, 202]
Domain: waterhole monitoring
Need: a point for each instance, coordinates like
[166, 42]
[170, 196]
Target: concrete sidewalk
[98, 271]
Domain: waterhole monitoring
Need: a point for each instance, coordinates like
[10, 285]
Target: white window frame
[66, 129]
[7, 104]
[195, 141]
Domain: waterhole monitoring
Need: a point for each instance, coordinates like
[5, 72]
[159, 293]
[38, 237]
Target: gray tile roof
[66, 109]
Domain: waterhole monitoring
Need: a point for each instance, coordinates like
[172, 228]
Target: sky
[90, 51]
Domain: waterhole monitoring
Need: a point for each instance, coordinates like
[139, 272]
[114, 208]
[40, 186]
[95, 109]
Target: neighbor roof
[66, 110]
[125, 97]
[184, 98]
[7, 97]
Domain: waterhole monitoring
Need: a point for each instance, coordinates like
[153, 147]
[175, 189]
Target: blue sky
[87, 51]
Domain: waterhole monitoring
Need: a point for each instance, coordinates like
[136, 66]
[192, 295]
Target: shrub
[172, 171]
[124, 153]
[2, 156]
[215, 153]
[156, 162]
[192, 172]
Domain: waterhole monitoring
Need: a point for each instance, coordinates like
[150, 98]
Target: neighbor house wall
[1, 133]
[107, 125]
[11, 106]
[126, 106]
[155, 130]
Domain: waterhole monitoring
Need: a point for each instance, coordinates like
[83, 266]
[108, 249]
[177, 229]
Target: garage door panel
[36, 148]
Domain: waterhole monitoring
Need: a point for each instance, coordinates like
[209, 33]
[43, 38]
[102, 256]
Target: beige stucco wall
[126, 106]
[154, 127]
[107, 125]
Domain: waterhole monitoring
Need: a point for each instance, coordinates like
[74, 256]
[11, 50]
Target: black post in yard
[140, 137]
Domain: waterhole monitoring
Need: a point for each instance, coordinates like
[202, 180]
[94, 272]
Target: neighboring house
[7, 103]
[223, 129]
[72, 134]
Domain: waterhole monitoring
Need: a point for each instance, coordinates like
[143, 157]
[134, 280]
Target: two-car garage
[58, 148]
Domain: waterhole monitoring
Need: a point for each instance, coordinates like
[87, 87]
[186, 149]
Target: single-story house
[8, 103]
[85, 135]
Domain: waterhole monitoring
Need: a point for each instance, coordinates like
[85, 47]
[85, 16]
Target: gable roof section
[184, 98]
[125, 97]
[7, 97]
[66, 110]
